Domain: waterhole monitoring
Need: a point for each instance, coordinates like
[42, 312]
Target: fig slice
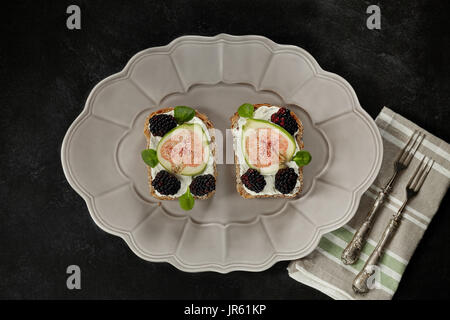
[184, 150]
[266, 146]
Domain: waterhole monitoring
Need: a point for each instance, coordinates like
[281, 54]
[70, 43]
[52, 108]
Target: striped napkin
[323, 269]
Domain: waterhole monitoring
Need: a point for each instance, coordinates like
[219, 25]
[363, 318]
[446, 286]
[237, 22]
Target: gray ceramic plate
[101, 153]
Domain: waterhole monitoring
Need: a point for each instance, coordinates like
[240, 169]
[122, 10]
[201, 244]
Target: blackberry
[253, 180]
[161, 124]
[202, 185]
[284, 119]
[166, 183]
[285, 180]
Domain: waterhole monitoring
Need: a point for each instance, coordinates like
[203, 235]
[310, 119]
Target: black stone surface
[47, 71]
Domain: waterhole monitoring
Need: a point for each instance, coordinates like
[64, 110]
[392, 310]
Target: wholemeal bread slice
[298, 137]
[209, 125]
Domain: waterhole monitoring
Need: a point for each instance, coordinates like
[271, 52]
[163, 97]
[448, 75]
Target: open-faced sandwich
[269, 155]
[180, 155]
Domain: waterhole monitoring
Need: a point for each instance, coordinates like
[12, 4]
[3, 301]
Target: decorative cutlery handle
[360, 283]
[351, 253]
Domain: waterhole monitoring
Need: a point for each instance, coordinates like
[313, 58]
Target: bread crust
[298, 137]
[209, 125]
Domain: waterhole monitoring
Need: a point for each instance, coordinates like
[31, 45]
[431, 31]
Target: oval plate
[101, 153]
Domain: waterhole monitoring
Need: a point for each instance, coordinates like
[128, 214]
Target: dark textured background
[47, 71]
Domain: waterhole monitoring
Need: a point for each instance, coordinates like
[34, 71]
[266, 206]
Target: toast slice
[209, 125]
[239, 185]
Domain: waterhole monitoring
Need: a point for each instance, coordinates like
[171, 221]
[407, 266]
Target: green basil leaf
[183, 114]
[302, 158]
[186, 200]
[246, 110]
[150, 158]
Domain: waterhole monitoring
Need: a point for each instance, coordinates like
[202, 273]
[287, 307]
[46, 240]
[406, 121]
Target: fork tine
[407, 146]
[414, 148]
[424, 175]
[421, 173]
[412, 180]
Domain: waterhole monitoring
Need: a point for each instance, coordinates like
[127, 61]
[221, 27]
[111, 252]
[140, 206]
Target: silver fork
[351, 253]
[412, 188]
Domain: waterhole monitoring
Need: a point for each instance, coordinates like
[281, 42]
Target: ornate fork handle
[351, 253]
[360, 282]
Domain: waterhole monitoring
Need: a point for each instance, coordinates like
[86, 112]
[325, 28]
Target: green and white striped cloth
[323, 269]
